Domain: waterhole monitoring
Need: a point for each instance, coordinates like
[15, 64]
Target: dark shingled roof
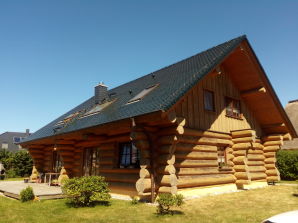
[174, 81]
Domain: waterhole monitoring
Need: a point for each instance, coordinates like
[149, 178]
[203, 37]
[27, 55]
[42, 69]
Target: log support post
[271, 145]
[242, 140]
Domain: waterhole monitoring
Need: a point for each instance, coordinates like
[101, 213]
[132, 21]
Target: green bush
[167, 201]
[27, 194]
[11, 173]
[287, 164]
[86, 191]
[18, 163]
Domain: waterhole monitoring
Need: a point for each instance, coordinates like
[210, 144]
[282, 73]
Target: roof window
[96, 109]
[142, 94]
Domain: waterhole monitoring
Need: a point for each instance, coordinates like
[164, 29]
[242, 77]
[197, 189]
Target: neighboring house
[292, 111]
[10, 140]
[210, 120]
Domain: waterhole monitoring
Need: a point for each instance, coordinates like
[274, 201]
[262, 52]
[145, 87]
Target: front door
[91, 162]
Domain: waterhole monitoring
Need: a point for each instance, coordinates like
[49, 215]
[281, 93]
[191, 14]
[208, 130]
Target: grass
[288, 182]
[247, 206]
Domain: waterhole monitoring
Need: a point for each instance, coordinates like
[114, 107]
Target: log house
[210, 120]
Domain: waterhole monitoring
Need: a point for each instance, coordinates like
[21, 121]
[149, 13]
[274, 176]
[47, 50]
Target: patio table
[50, 177]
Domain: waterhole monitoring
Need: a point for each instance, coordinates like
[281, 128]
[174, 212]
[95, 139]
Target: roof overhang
[248, 75]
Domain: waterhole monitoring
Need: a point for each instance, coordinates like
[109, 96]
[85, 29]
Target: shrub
[135, 200]
[11, 173]
[27, 194]
[167, 201]
[86, 191]
[287, 163]
[20, 163]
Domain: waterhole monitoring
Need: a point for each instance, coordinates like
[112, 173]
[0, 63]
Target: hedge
[287, 164]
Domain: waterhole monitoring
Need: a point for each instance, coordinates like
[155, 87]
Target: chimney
[101, 93]
[27, 132]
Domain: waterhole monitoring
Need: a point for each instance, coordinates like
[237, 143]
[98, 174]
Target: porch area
[42, 191]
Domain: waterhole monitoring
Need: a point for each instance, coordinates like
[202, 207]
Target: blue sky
[53, 53]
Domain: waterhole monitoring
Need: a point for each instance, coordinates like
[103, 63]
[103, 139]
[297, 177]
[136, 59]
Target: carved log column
[167, 179]
[242, 140]
[140, 140]
[272, 144]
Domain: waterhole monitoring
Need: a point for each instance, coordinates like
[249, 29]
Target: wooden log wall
[38, 157]
[191, 155]
[248, 157]
[67, 154]
[272, 144]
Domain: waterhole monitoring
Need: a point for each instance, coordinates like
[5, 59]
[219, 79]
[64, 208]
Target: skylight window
[96, 109]
[142, 94]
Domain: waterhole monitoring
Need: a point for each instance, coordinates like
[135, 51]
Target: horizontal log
[255, 163]
[106, 153]
[204, 140]
[243, 182]
[239, 153]
[269, 154]
[170, 190]
[241, 168]
[107, 146]
[195, 163]
[167, 169]
[194, 147]
[120, 171]
[257, 145]
[209, 134]
[167, 140]
[242, 176]
[138, 136]
[205, 180]
[270, 160]
[196, 155]
[104, 162]
[143, 185]
[255, 151]
[168, 180]
[270, 166]
[249, 139]
[64, 147]
[239, 160]
[253, 169]
[197, 171]
[122, 185]
[243, 133]
[272, 138]
[273, 143]
[242, 146]
[67, 159]
[273, 178]
[257, 157]
[120, 177]
[230, 156]
[173, 130]
[272, 172]
[271, 148]
[37, 156]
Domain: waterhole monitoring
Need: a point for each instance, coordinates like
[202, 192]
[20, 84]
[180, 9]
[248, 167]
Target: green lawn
[246, 206]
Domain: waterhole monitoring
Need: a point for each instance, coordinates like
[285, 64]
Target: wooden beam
[269, 126]
[253, 91]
